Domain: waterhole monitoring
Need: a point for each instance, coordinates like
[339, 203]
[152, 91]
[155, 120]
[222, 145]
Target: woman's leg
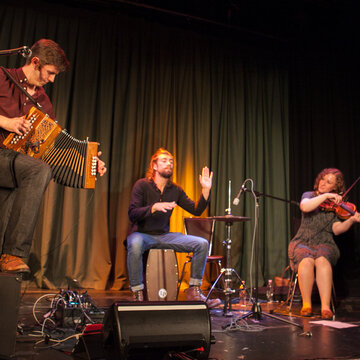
[324, 280]
[306, 280]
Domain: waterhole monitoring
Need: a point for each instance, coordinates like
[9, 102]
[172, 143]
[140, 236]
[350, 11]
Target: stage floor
[235, 338]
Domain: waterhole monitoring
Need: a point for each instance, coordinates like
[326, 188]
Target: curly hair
[340, 183]
[150, 173]
[49, 53]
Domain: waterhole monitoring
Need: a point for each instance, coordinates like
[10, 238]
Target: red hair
[340, 183]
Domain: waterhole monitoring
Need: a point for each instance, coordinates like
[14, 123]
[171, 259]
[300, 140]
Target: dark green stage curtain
[136, 85]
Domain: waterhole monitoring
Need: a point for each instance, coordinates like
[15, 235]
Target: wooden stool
[161, 275]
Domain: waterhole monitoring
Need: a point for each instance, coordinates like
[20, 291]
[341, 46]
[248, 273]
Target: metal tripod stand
[228, 270]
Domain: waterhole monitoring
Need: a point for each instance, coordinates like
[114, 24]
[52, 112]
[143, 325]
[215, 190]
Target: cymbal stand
[256, 311]
[228, 270]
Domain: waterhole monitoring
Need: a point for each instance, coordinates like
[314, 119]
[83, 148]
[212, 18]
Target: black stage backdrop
[248, 107]
[324, 124]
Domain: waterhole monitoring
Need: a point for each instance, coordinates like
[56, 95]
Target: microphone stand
[258, 194]
[256, 311]
[24, 51]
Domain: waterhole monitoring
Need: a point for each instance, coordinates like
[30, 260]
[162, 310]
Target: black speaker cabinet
[150, 330]
[10, 287]
[89, 346]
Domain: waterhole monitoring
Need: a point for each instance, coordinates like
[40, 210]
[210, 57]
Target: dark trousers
[23, 181]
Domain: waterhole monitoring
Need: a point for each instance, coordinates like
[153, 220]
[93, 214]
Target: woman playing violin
[313, 249]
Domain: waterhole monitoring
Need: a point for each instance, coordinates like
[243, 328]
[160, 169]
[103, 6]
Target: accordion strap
[21, 88]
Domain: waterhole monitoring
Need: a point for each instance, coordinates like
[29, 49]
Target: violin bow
[352, 185]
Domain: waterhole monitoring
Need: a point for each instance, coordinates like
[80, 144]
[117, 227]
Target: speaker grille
[132, 328]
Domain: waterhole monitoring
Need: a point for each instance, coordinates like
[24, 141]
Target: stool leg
[333, 298]
[219, 272]
[219, 267]
[182, 275]
[293, 292]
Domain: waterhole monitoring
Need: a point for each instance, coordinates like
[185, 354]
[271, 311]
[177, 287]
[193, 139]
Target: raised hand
[206, 178]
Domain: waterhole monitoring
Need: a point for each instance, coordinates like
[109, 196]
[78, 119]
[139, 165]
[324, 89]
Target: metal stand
[256, 311]
[228, 270]
[227, 273]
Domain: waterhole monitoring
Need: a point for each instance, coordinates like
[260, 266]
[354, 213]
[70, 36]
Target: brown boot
[138, 295]
[193, 293]
[13, 264]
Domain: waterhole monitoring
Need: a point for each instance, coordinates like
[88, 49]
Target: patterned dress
[314, 237]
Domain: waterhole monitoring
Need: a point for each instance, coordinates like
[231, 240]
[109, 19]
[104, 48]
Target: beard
[167, 174]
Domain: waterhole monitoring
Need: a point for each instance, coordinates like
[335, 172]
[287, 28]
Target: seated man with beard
[152, 201]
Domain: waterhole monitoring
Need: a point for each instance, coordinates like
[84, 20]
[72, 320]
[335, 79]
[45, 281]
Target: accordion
[73, 162]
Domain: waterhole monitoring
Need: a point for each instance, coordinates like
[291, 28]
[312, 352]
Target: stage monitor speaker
[139, 330]
[10, 287]
[89, 346]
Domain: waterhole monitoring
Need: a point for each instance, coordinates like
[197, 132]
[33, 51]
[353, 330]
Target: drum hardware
[228, 270]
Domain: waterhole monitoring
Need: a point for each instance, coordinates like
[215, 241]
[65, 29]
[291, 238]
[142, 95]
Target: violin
[343, 209]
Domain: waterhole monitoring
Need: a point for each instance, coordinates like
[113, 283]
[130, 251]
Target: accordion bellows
[73, 162]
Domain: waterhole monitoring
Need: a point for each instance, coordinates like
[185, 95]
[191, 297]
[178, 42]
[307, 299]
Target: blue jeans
[23, 181]
[138, 243]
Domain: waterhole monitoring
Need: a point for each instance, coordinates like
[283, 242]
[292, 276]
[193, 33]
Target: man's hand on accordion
[18, 125]
[101, 168]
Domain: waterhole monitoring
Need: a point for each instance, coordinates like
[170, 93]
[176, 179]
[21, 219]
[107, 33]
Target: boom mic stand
[23, 50]
[256, 311]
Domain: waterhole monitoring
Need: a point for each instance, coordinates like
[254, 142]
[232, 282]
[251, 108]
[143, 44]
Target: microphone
[25, 51]
[242, 189]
